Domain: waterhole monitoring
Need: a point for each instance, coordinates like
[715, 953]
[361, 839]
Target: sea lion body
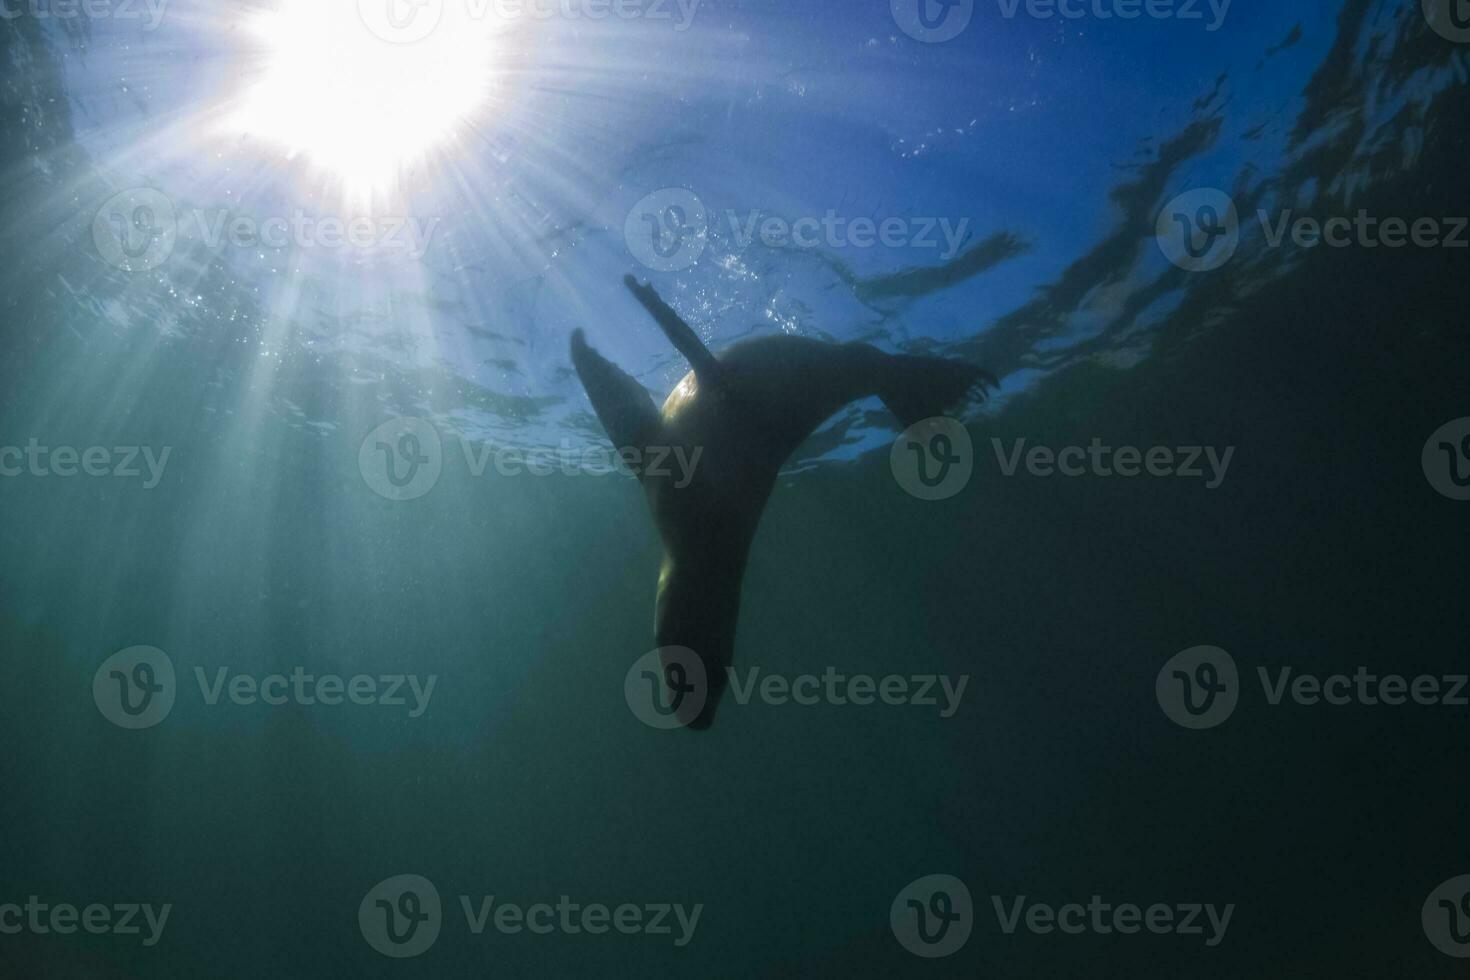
[739, 416]
[772, 393]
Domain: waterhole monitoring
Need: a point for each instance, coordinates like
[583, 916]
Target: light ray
[355, 103]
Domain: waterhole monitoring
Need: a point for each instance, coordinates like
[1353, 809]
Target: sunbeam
[359, 101]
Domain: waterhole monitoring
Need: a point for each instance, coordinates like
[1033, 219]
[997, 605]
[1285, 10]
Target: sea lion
[744, 412]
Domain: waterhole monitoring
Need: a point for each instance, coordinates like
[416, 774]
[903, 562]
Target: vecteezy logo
[1199, 230]
[135, 230]
[667, 230]
[401, 916]
[135, 688]
[1446, 459]
[1446, 917]
[401, 21]
[1199, 687]
[933, 916]
[933, 21]
[667, 688]
[401, 459]
[934, 459]
[1449, 18]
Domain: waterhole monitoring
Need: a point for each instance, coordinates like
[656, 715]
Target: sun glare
[358, 99]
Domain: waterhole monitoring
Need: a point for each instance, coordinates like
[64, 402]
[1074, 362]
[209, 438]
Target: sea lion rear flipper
[622, 404]
[680, 334]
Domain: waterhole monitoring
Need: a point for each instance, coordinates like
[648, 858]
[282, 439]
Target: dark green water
[527, 777]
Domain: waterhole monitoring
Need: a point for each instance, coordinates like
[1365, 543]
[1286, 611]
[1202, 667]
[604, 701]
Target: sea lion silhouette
[745, 411]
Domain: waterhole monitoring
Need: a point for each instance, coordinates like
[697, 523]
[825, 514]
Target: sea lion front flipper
[680, 334]
[622, 404]
[917, 388]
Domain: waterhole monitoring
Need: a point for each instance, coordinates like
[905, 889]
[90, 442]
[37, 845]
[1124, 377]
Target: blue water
[1047, 148]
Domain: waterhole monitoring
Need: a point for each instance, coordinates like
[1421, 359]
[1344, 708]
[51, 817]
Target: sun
[362, 91]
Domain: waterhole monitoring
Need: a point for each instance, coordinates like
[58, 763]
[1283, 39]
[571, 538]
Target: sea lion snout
[716, 683]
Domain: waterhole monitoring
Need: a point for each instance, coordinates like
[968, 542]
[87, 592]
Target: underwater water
[323, 604]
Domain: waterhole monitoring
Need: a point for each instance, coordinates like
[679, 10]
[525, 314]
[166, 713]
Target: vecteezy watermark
[1363, 231]
[62, 919]
[302, 688]
[832, 230]
[1446, 459]
[1097, 917]
[118, 462]
[1185, 11]
[403, 459]
[153, 10]
[137, 687]
[932, 21]
[1100, 460]
[836, 688]
[1363, 687]
[403, 916]
[1200, 688]
[411, 21]
[1200, 230]
[667, 688]
[137, 230]
[935, 459]
[936, 21]
[934, 917]
[1446, 917]
[670, 229]
[1450, 19]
